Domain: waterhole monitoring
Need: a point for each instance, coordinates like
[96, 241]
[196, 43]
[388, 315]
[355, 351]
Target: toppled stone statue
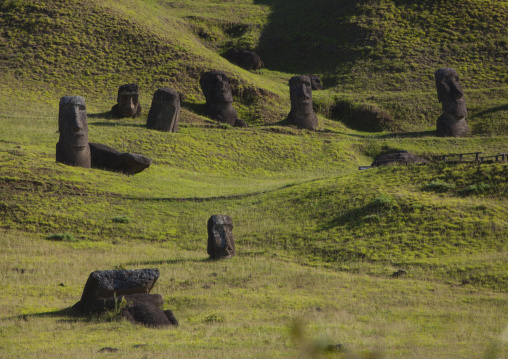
[400, 157]
[302, 115]
[221, 243]
[127, 291]
[219, 98]
[247, 60]
[72, 147]
[164, 113]
[453, 120]
[105, 157]
[315, 83]
[127, 102]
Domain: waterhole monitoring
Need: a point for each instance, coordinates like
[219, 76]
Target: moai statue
[127, 102]
[315, 83]
[164, 113]
[247, 60]
[221, 243]
[72, 147]
[219, 99]
[302, 115]
[453, 120]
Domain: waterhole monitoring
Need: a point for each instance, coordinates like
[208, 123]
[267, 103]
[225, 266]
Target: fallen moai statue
[128, 292]
[105, 157]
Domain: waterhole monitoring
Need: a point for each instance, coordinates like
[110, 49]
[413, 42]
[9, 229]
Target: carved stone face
[165, 110]
[72, 121]
[72, 147]
[216, 88]
[300, 93]
[128, 100]
[450, 93]
[219, 98]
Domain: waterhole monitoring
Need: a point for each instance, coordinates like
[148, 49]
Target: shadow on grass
[197, 108]
[113, 124]
[310, 36]
[431, 133]
[105, 115]
[169, 261]
[66, 315]
[491, 110]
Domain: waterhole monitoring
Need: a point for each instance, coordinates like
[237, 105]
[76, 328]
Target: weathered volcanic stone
[106, 284]
[247, 60]
[219, 98]
[448, 126]
[164, 113]
[302, 114]
[452, 123]
[315, 83]
[72, 147]
[100, 305]
[401, 157]
[221, 243]
[127, 102]
[146, 314]
[105, 157]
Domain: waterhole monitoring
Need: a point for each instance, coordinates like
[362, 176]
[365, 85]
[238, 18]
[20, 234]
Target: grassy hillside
[317, 240]
[377, 54]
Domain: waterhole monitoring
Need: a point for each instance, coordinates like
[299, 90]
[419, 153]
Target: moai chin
[221, 243]
[72, 147]
[219, 98]
[164, 113]
[453, 120]
[302, 115]
[127, 102]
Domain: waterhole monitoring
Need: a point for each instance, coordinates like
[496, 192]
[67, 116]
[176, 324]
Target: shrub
[438, 186]
[475, 189]
[62, 237]
[383, 201]
[121, 219]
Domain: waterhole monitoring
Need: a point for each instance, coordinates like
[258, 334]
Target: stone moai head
[221, 243]
[164, 113]
[302, 115]
[218, 95]
[449, 92]
[127, 101]
[72, 147]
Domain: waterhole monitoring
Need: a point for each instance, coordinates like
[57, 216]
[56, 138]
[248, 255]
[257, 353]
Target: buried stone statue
[453, 120]
[219, 98]
[128, 293]
[302, 114]
[247, 60]
[221, 243]
[164, 113]
[74, 149]
[127, 102]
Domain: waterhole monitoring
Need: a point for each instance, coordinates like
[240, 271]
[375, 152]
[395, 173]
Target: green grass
[317, 240]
